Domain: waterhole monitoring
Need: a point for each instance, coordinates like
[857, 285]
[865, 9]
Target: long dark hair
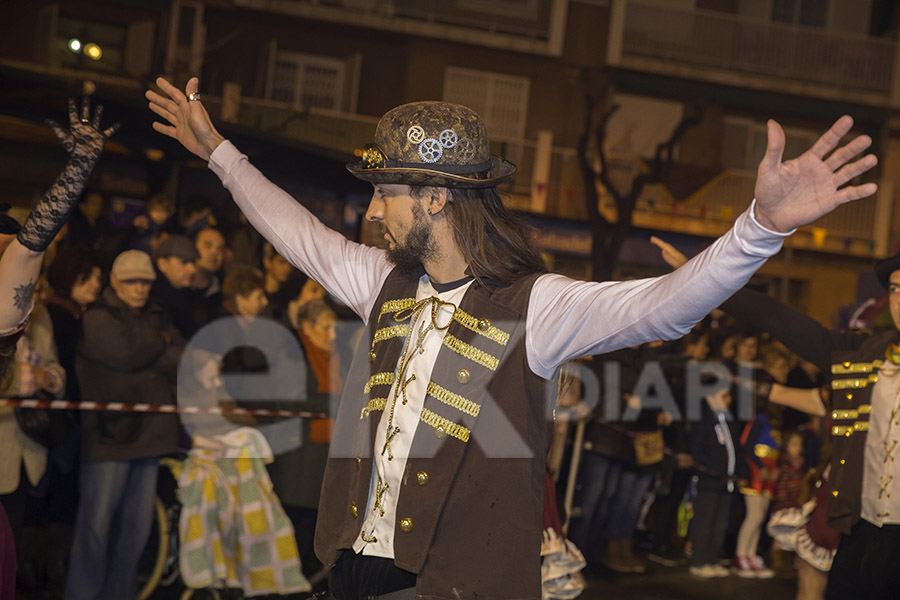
[495, 242]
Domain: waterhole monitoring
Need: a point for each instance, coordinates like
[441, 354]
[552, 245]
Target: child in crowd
[716, 462]
[790, 473]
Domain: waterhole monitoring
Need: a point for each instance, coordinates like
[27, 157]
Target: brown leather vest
[469, 514]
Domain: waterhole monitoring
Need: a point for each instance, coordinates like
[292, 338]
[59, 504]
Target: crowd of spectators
[691, 448]
[116, 319]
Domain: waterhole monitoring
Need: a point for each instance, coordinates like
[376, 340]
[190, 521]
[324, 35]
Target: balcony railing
[756, 46]
[536, 26]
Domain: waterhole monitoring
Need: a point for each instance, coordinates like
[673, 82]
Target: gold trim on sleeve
[385, 378]
[451, 399]
[472, 324]
[471, 352]
[449, 427]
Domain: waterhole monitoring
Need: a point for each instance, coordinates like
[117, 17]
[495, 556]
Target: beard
[418, 248]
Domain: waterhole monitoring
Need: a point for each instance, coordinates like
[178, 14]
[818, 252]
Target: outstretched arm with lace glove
[21, 262]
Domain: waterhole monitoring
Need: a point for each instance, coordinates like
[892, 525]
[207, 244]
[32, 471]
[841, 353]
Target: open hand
[797, 192]
[83, 138]
[189, 123]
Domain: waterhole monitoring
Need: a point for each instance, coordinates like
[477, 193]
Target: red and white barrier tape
[160, 408]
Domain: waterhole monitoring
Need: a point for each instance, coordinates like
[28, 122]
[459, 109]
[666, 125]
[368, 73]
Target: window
[811, 13]
[501, 100]
[308, 80]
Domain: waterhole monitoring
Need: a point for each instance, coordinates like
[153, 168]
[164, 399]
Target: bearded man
[435, 478]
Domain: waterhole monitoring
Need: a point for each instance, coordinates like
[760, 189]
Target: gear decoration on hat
[431, 150]
[466, 150]
[448, 138]
[373, 157]
[415, 134]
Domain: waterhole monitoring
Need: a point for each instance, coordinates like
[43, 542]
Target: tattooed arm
[21, 262]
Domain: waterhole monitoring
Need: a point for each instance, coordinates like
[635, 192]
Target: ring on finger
[193, 97]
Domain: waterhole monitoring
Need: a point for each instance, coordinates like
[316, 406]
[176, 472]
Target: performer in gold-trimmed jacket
[435, 478]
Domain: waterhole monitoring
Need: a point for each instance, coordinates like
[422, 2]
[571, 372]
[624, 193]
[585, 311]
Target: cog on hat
[466, 150]
[431, 150]
[415, 134]
[448, 138]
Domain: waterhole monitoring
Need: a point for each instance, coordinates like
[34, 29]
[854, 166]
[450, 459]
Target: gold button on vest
[422, 478]
[372, 356]
[406, 525]
[463, 376]
[440, 432]
[484, 324]
[358, 461]
[353, 511]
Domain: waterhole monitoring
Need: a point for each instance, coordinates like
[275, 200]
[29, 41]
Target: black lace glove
[84, 143]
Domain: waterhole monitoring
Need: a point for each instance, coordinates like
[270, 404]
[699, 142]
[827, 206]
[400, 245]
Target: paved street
[677, 584]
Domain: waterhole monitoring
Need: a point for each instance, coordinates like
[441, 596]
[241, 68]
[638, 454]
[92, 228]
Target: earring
[429, 212]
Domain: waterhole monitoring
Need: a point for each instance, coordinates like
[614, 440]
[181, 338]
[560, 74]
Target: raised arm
[351, 272]
[570, 318]
[799, 332]
[21, 262]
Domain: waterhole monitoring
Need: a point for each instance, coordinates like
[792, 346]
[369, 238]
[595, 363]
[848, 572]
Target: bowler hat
[884, 268]
[432, 143]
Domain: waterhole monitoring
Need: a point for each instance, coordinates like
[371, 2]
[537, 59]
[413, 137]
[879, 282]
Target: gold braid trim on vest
[451, 399]
[844, 384]
[385, 378]
[392, 306]
[445, 426]
[471, 352]
[373, 405]
[848, 367]
[386, 333]
[481, 327]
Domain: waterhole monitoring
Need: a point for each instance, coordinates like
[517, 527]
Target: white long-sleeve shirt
[566, 318]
